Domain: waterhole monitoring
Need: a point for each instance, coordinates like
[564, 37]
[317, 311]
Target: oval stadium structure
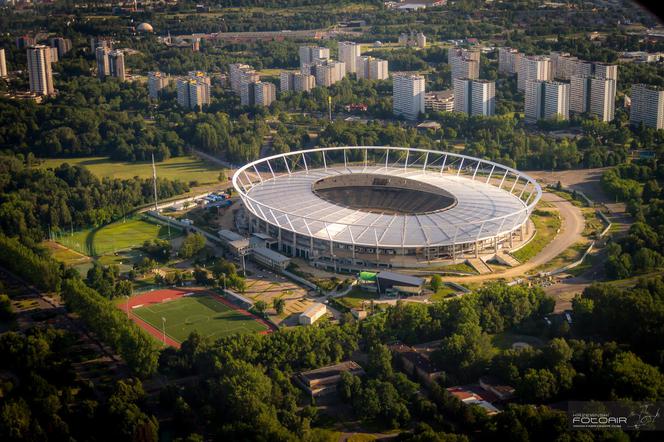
[378, 206]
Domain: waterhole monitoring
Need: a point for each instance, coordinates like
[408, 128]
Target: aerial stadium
[382, 207]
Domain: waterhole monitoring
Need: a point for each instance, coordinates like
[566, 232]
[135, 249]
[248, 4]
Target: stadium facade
[381, 206]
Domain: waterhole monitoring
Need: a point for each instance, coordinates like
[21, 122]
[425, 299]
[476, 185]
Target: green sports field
[120, 235]
[178, 168]
[202, 313]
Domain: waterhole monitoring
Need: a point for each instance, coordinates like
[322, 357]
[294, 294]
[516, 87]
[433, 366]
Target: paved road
[570, 232]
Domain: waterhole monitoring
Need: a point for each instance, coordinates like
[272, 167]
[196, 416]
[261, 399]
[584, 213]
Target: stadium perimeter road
[570, 232]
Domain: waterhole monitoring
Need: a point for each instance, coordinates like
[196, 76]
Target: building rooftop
[229, 235]
[330, 371]
[314, 309]
[271, 255]
[418, 360]
[401, 278]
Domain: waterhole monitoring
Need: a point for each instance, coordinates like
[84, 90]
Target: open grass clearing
[117, 236]
[547, 224]
[185, 169]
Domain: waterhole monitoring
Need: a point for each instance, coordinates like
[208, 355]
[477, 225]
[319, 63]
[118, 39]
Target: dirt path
[570, 232]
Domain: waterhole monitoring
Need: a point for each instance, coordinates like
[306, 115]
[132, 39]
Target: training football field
[200, 312]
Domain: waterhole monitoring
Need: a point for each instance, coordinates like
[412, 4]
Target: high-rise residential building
[470, 54]
[286, 81]
[474, 97]
[328, 72]
[371, 68]
[194, 90]
[63, 45]
[464, 63]
[103, 67]
[100, 42]
[310, 54]
[296, 81]
[439, 101]
[116, 64]
[408, 91]
[264, 93]
[235, 71]
[25, 41]
[303, 82]
[415, 39]
[3, 64]
[53, 52]
[596, 96]
[546, 100]
[348, 53]
[247, 79]
[421, 40]
[465, 68]
[534, 68]
[39, 70]
[647, 106]
[605, 70]
[564, 66]
[509, 61]
[156, 82]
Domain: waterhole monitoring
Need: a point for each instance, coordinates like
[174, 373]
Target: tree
[380, 362]
[260, 307]
[279, 304]
[191, 245]
[538, 385]
[436, 282]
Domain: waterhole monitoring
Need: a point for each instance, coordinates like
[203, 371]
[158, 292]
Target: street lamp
[127, 305]
[163, 328]
[223, 275]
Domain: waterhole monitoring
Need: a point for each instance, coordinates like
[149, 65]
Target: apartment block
[509, 60]
[348, 53]
[647, 106]
[593, 95]
[39, 70]
[474, 97]
[408, 91]
[371, 68]
[534, 68]
[546, 100]
[156, 82]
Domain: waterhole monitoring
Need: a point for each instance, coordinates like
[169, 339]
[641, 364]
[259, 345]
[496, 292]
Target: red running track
[158, 296]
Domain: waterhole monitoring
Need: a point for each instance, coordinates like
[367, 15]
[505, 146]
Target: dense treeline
[631, 316]
[34, 201]
[112, 326]
[42, 271]
[640, 251]
[42, 398]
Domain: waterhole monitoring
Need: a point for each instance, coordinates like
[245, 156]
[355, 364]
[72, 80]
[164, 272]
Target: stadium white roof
[491, 199]
[312, 216]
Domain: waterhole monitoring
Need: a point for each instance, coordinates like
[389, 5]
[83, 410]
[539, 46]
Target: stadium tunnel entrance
[379, 193]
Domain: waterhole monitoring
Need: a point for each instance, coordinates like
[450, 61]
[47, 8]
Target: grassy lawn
[505, 340]
[442, 293]
[547, 223]
[355, 297]
[65, 255]
[202, 313]
[460, 267]
[185, 169]
[120, 235]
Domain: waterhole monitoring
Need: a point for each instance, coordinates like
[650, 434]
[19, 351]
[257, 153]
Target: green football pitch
[120, 235]
[202, 313]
